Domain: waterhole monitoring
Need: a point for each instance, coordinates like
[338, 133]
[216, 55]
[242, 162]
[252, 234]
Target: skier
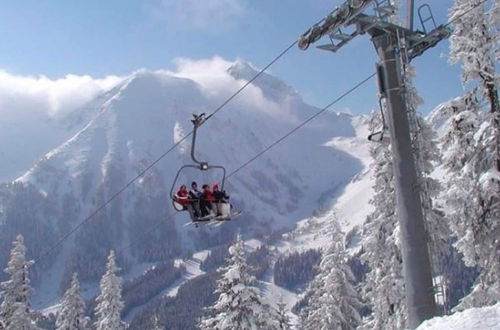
[222, 206]
[194, 201]
[194, 193]
[206, 201]
[181, 196]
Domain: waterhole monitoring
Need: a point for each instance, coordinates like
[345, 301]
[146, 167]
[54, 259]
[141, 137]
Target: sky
[99, 40]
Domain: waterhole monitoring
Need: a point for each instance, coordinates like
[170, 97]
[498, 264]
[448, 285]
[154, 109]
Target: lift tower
[392, 41]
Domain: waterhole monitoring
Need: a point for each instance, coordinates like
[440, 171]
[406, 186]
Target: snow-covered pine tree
[474, 43]
[471, 224]
[494, 20]
[333, 302]
[282, 318]
[109, 302]
[239, 305]
[15, 311]
[475, 182]
[384, 285]
[156, 324]
[72, 313]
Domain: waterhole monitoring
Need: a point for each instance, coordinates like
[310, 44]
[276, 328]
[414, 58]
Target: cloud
[21, 96]
[211, 74]
[216, 82]
[49, 96]
[201, 14]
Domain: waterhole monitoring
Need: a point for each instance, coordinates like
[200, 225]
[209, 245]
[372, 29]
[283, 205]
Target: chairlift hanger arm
[197, 121]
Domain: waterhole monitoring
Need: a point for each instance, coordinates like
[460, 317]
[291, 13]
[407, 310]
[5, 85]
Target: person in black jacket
[221, 202]
[194, 197]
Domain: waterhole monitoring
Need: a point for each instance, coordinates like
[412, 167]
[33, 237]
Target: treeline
[297, 268]
[183, 311]
[141, 289]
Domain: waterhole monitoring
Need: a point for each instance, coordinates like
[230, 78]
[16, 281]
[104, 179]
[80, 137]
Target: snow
[54, 309]
[351, 207]
[492, 174]
[200, 256]
[253, 243]
[192, 270]
[485, 318]
[273, 294]
[47, 294]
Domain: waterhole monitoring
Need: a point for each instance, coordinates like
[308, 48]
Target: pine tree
[109, 302]
[15, 311]
[282, 318]
[239, 305]
[333, 302]
[384, 285]
[471, 217]
[474, 186]
[72, 313]
[156, 324]
[494, 20]
[474, 44]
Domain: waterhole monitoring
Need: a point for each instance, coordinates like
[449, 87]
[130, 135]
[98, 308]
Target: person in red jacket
[181, 196]
[206, 201]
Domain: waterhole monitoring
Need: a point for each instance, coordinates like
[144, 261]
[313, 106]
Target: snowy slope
[351, 205]
[485, 318]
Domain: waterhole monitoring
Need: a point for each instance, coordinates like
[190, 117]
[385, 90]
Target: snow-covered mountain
[38, 114]
[135, 123]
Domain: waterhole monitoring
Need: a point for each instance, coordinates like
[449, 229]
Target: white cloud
[47, 96]
[216, 82]
[211, 74]
[201, 14]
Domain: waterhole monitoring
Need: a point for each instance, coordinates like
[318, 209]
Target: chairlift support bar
[197, 121]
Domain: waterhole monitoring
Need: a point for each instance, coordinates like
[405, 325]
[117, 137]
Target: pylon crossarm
[419, 46]
[363, 23]
[341, 16]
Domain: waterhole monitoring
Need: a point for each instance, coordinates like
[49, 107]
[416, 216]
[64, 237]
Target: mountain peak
[242, 70]
[273, 88]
